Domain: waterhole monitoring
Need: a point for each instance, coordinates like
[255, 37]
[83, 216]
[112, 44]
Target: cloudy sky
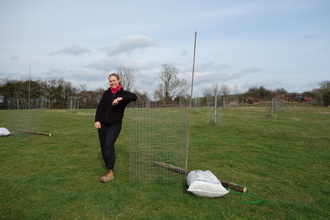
[242, 43]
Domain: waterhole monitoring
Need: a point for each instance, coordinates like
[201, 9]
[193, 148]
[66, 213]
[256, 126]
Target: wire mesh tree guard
[197, 105]
[214, 111]
[158, 134]
[274, 105]
[72, 103]
[23, 115]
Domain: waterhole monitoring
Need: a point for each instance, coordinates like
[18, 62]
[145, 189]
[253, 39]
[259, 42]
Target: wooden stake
[34, 132]
[185, 172]
[190, 105]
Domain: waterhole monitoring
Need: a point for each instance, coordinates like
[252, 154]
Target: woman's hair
[116, 75]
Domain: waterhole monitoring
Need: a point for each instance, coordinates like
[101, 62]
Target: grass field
[284, 159]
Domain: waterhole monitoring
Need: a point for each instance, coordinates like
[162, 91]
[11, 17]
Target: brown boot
[109, 175]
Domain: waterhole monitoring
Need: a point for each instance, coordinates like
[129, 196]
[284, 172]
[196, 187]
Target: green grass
[283, 159]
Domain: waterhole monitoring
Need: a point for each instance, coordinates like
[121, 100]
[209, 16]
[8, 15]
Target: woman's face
[114, 81]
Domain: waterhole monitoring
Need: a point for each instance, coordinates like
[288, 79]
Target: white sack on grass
[205, 183]
[4, 132]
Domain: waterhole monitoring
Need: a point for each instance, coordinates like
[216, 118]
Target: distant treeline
[55, 93]
[320, 95]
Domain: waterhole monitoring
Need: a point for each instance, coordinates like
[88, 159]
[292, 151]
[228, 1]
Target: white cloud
[210, 66]
[112, 64]
[55, 72]
[71, 50]
[312, 36]
[129, 44]
[321, 49]
[252, 70]
[15, 57]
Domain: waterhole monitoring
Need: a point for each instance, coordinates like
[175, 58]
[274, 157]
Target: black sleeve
[129, 97]
[100, 108]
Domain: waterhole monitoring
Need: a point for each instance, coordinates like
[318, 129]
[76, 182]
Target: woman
[108, 121]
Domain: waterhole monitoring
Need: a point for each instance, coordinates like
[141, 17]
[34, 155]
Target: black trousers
[108, 135]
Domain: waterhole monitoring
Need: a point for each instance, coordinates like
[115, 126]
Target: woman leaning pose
[108, 120]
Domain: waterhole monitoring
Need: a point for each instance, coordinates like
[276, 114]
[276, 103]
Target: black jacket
[113, 114]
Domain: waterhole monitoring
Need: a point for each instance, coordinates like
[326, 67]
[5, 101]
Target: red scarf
[115, 90]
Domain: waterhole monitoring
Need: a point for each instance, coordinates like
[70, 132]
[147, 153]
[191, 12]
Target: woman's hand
[97, 125]
[117, 100]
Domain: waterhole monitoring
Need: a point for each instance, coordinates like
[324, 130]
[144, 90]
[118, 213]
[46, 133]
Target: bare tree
[159, 94]
[127, 77]
[225, 90]
[207, 92]
[170, 85]
[212, 90]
